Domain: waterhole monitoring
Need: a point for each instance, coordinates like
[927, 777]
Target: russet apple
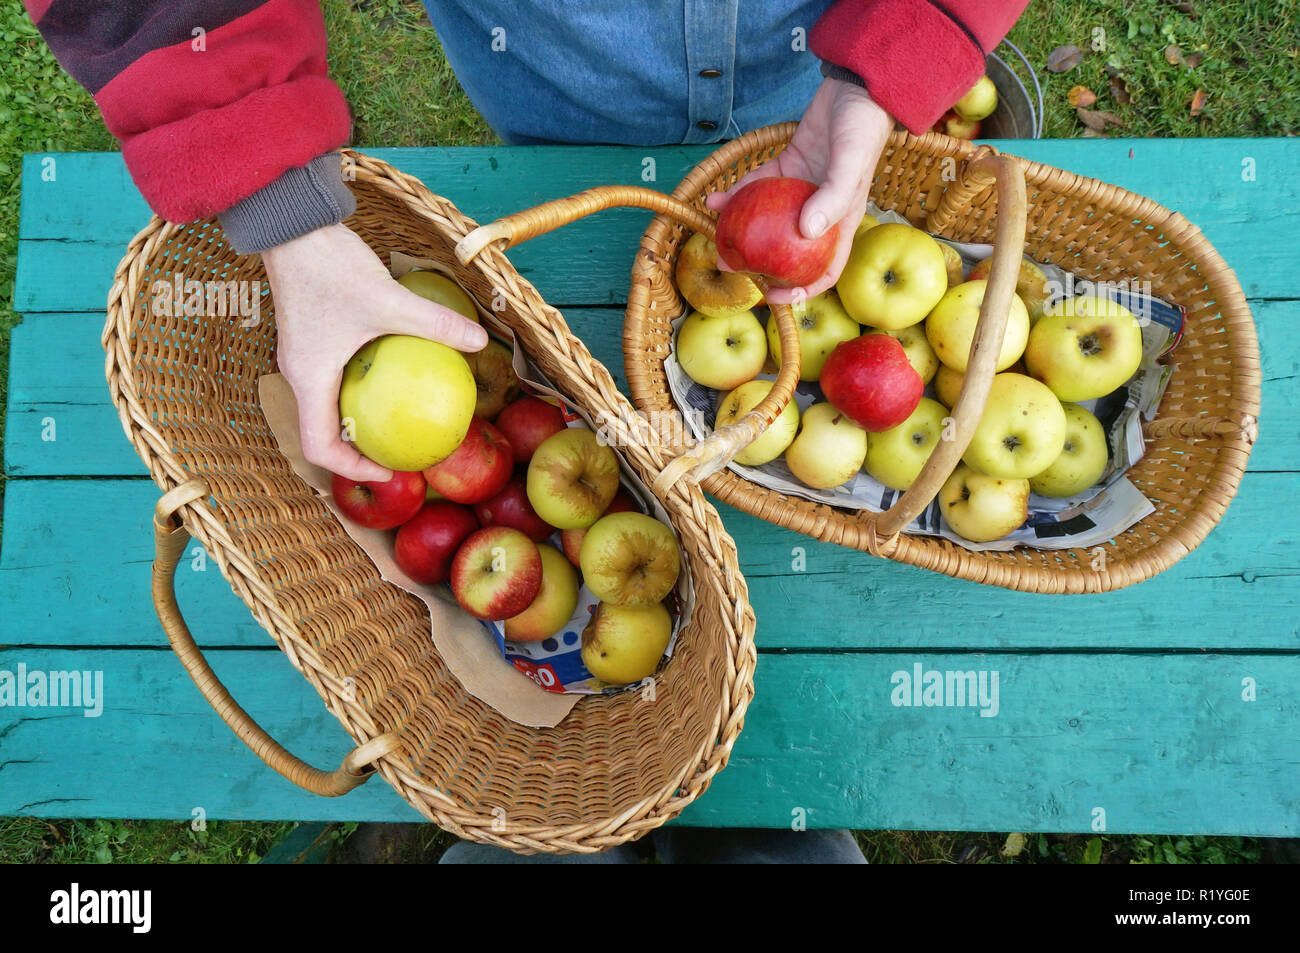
[829, 449]
[629, 559]
[494, 379]
[478, 469]
[979, 102]
[1085, 347]
[950, 327]
[894, 275]
[381, 504]
[758, 232]
[1021, 431]
[896, 456]
[871, 380]
[572, 478]
[440, 289]
[527, 422]
[771, 443]
[1031, 284]
[496, 573]
[623, 644]
[554, 605]
[983, 508]
[917, 348]
[721, 352]
[1082, 461]
[571, 539]
[708, 289]
[406, 402]
[426, 543]
[822, 323]
[510, 507]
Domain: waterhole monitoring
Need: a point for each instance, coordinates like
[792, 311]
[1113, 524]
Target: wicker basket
[1197, 448]
[186, 392]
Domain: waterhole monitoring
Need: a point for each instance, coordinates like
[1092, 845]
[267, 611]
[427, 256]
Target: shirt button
[710, 73]
[707, 124]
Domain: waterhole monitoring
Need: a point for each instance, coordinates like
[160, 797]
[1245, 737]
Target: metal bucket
[1019, 114]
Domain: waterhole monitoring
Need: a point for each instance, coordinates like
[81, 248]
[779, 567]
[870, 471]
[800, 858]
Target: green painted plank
[88, 440]
[74, 229]
[1239, 590]
[1160, 744]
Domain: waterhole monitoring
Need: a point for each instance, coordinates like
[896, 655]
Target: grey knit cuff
[832, 71]
[302, 200]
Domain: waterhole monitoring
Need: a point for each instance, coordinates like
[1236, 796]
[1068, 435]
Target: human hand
[332, 295]
[837, 146]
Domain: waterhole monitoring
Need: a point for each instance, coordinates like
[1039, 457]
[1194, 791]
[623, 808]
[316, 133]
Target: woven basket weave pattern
[186, 393]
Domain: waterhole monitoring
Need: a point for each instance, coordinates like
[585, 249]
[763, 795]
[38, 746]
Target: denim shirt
[634, 72]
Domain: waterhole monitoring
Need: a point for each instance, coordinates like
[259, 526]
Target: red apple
[758, 231]
[571, 539]
[960, 128]
[476, 470]
[376, 505]
[510, 507]
[497, 573]
[427, 542]
[526, 423]
[870, 380]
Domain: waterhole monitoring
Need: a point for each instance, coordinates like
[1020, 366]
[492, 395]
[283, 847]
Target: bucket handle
[170, 540]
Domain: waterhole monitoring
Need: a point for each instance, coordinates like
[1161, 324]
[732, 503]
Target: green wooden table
[1172, 706]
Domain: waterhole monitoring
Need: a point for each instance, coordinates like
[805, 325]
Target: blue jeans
[630, 72]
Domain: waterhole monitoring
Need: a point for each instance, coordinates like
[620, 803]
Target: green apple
[951, 326]
[721, 352]
[554, 604]
[771, 443]
[822, 323]
[707, 288]
[1085, 347]
[896, 456]
[1082, 461]
[572, 478]
[629, 559]
[406, 402]
[983, 508]
[623, 644]
[894, 275]
[979, 102]
[829, 450]
[1031, 285]
[440, 289]
[1021, 432]
[917, 348]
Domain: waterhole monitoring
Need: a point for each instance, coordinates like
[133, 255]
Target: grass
[385, 56]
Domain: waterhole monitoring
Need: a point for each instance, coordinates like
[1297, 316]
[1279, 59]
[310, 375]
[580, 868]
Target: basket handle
[170, 540]
[716, 450]
[985, 167]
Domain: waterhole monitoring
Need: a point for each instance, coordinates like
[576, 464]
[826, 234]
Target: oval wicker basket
[186, 392]
[1196, 449]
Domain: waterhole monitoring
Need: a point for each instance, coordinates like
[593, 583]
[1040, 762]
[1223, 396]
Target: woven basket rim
[856, 529]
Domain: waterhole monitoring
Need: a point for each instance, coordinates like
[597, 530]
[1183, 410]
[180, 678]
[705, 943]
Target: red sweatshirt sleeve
[916, 57]
[213, 100]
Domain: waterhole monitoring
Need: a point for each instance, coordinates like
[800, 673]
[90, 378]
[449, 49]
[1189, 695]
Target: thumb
[408, 313]
[841, 193]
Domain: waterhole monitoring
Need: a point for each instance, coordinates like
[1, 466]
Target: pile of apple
[903, 316]
[494, 494]
[965, 119]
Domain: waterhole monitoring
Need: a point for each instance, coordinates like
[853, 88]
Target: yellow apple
[983, 508]
[771, 443]
[623, 644]
[979, 102]
[951, 326]
[894, 275]
[868, 221]
[1031, 284]
[917, 348]
[721, 352]
[1021, 431]
[822, 323]
[629, 559]
[406, 402]
[554, 604]
[829, 450]
[947, 385]
[1082, 461]
[1085, 347]
[708, 289]
[896, 456]
[440, 289]
[953, 261]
